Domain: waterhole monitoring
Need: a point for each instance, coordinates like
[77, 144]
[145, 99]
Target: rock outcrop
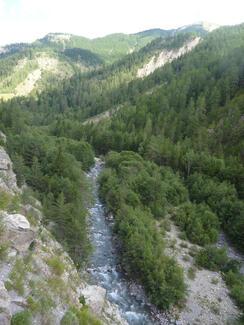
[95, 297]
[166, 56]
[5, 315]
[17, 231]
[36, 274]
[7, 176]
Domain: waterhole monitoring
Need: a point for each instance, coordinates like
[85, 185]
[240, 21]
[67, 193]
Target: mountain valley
[121, 178]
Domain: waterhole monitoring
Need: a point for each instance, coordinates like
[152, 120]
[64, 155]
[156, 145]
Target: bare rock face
[7, 176]
[5, 163]
[18, 231]
[166, 56]
[95, 298]
[5, 305]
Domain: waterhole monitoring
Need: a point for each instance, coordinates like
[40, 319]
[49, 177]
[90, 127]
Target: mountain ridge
[72, 54]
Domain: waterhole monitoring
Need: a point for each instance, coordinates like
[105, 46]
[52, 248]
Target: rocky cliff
[39, 283]
[166, 56]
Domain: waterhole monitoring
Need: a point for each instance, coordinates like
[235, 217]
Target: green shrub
[57, 285]
[191, 273]
[8, 285]
[14, 205]
[212, 258]
[17, 276]
[33, 305]
[22, 318]
[235, 282]
[69, 319]
[27, 196]
[39, 301]
[86, 318]
[9, 202]
[56, 265]
[82, 300]
[5, 200]
[198, 222]
[2, 228]
[3, 251]
[81, 316]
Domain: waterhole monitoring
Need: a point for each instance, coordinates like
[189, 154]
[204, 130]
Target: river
[104, 265]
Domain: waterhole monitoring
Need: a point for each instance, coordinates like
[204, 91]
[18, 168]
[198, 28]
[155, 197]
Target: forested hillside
[193, 123]
[173, 147]
[113, 47]
[27, 68]
[36, 68]
[30, 68]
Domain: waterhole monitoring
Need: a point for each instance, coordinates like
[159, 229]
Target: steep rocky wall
[36, 274]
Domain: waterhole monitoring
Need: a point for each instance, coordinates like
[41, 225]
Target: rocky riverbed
[105, 270]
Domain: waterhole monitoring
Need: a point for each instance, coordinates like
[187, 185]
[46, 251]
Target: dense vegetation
[54, 170]
[198, 222]
[193, 124]
[136, 191]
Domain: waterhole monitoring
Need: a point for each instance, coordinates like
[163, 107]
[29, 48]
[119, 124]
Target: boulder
[18, 231]
[17, 221]
[95, 298]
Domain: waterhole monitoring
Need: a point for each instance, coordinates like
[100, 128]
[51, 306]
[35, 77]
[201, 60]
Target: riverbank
[105, 270]
[208, 300]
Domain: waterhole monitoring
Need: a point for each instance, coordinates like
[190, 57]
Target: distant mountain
[114, 46]
[201, 28]
[156, 32]
[110, 48]
[27, 68]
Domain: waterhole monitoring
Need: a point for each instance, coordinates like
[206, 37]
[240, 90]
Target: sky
[27, 20]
